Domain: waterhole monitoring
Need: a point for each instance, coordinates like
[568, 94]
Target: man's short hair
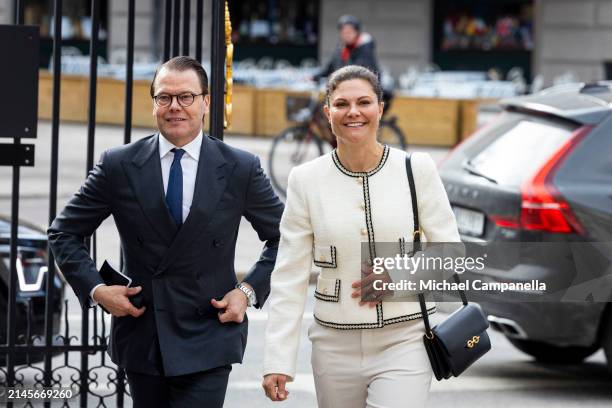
[183, 63]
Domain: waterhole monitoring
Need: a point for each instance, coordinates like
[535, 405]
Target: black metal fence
[30, 342]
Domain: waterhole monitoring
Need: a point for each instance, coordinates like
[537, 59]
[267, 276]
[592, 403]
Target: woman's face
[354, 112]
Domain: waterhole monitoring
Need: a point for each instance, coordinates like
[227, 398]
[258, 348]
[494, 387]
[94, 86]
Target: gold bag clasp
[473, 341]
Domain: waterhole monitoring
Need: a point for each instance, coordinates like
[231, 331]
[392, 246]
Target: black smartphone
[111, 276]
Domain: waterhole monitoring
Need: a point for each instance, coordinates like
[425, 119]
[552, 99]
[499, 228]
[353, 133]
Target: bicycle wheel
[292, 147]
[390, 134]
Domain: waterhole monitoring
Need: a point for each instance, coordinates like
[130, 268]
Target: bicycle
[312, 136]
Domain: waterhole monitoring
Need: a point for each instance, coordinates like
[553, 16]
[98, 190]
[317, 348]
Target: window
[484, 25]
[76, 26]
[520, 151]
[478, 35]
[286, 29]
[76, 18]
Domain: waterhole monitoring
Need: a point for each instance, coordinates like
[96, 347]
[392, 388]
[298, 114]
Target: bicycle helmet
[348, 19]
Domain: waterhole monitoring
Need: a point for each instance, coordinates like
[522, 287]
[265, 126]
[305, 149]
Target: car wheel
[547, 353]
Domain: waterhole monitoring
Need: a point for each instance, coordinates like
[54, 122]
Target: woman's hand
[274, 386]
[364, 288]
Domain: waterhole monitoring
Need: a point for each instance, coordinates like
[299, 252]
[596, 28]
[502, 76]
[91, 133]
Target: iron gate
[29, 344]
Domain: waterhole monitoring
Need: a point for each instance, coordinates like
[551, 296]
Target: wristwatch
[250, 293]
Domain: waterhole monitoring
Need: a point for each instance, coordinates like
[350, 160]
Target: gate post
[21, 44]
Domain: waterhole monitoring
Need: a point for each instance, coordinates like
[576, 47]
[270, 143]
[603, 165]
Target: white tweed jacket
[329, 212]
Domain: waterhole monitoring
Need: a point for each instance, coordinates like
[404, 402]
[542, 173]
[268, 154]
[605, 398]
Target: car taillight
[543, 208]
[504, 222]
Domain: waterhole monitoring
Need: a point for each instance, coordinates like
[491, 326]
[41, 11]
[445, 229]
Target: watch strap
[250, 293]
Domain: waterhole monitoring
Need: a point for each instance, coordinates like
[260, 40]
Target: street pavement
[503, 378]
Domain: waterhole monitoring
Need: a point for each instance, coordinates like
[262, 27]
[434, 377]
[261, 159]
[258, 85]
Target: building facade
[568, 36]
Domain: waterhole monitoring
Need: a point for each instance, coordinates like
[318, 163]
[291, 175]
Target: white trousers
[371, 368]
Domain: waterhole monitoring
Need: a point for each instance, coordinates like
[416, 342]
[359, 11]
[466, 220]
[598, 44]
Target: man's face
[348, 34]
[180, 124]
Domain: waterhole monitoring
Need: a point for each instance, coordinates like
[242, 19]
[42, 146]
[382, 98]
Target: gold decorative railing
[229, 59]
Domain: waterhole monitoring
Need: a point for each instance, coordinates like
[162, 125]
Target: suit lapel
[211, 180]
[145, 178]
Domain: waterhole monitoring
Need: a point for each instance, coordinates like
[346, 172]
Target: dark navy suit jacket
[180, 270]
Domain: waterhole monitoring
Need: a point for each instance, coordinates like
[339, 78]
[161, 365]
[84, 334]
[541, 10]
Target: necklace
[380, 150]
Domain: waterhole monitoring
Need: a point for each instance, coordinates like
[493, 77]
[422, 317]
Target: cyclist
[355, 48]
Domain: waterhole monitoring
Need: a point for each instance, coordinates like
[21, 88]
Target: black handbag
[461, 339]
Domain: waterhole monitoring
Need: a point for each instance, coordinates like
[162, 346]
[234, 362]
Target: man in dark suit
[177, 198]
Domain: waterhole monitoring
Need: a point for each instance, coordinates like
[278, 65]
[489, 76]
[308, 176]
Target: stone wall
[6, 7]
[573, 36]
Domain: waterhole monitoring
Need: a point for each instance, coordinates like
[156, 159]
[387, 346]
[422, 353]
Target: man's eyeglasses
[185, 99]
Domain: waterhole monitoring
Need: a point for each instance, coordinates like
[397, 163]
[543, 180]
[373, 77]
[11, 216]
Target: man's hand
[364, 288]
[232, 307]
[115, 299]
[274, 386]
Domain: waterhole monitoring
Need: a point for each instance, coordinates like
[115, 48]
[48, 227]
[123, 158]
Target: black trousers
[201, 389]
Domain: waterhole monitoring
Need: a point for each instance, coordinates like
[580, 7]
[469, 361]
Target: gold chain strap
[229, 59]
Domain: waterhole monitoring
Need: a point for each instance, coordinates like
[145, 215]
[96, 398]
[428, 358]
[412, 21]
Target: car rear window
[520, 151]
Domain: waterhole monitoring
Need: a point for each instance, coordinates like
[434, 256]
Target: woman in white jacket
[364, 354]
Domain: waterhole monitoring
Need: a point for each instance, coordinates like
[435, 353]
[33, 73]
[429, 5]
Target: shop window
[281, 30]
[76, 26]
[483, 34]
